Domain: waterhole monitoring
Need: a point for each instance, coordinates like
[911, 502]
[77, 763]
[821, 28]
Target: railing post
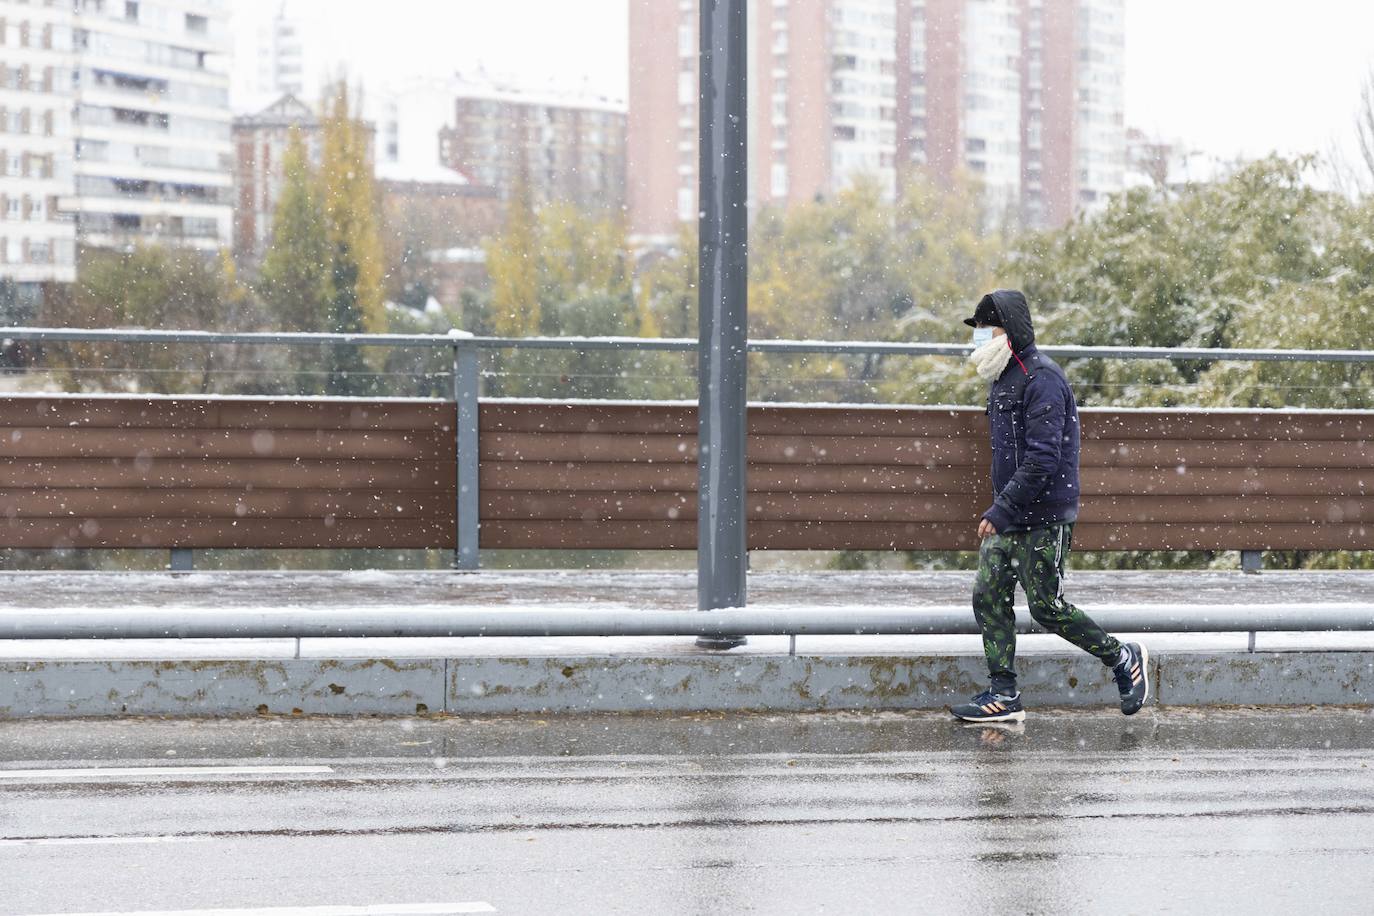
[723, 312]
[1251, 561]
[182, 560]
[467, 380]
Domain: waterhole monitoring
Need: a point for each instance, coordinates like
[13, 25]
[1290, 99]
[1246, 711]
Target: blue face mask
[981, 336]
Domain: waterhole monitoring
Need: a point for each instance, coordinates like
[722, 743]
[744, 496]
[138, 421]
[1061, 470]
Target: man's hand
[985, 529]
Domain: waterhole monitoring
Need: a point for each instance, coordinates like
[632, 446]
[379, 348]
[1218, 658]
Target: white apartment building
[863, 93]
[1074, 111]
[37, 243]
[991, 128]
[151, 123]
[410, 117]
[1100, 141]
[285, 58]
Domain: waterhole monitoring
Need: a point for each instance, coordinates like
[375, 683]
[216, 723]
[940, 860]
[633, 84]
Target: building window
[686, 204]
[686, 88]
[779, 179]
[131, 10]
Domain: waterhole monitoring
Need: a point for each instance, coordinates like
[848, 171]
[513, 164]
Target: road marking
[101, 840]
[73, 774]
[380, 909]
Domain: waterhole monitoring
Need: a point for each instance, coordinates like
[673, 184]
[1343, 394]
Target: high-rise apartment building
[1073, 110]
[965, 98]
[661, 127]
[37, 242]
[1024, 95]
[823, 85]
[153, 160]
[562, 148]
[285, 58]
[824, 101]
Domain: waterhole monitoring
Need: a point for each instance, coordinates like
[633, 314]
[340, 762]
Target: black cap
[985, 313]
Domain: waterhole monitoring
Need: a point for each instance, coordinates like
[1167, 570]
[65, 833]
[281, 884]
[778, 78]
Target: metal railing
[435, 622]
[667, 344]
[467, 377]
[151, 623]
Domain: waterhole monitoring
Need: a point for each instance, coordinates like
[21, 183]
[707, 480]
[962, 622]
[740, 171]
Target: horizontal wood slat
[1171, 453]
[934, 422]
[227, 443]
[257, 472]
[227, 504]
[243, 533]
[792, 449]
[1201, 425]
[838, 507]
[927, 452]
[68, 411]
[600, 476]
[681, 535]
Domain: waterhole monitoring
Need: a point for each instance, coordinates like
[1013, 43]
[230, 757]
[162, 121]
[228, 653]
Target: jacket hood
[1015, 315]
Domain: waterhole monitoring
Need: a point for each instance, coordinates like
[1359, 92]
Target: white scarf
[992, 357]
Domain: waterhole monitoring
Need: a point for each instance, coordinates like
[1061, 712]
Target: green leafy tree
[296, 284]
[1259, 260]
[1167, 269]
[153, 288]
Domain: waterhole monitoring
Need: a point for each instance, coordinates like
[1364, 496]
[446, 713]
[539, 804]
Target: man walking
[1025, 536]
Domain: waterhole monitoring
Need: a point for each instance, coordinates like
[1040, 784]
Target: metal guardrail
[432, 622]
[667, 344]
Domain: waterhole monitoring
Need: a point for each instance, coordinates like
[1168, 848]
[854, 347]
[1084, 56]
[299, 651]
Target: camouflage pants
[1035, 559]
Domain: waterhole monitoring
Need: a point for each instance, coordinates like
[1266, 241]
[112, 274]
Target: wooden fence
[187, 472]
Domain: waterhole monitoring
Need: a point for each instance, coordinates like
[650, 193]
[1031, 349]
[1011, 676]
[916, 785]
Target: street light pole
[722, 304]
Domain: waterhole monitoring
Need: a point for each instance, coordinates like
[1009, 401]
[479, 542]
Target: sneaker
[1132, 678]
[991, 707]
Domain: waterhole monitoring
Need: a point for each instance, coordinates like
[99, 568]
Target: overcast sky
[1231, 77]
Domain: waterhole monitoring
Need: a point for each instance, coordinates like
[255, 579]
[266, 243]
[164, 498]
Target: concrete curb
[629, 683]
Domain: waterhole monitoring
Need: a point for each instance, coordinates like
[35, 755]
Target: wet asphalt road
[1172, 811]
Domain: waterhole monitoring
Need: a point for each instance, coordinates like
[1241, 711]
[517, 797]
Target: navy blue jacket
[1033, 418]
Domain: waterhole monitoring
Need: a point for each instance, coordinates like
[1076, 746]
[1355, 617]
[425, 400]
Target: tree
[1259, 260]
[296, 278]
[351, 227]
[1172, 270]
[155, 288]
[297, 274]
[513, 264]
[857, 267]
[560, 271]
